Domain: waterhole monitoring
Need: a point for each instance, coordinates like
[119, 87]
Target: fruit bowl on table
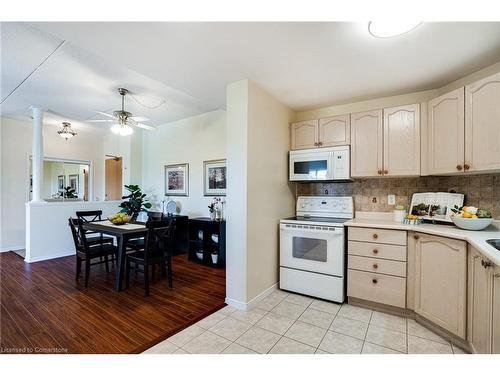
[471, 224]
[119, 218]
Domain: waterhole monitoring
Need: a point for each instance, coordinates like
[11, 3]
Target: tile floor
[286, 323]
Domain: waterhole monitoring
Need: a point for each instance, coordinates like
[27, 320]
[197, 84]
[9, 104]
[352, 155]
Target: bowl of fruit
[119, 218]
[471, 218]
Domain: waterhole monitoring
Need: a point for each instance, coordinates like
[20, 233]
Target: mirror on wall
[63, 180]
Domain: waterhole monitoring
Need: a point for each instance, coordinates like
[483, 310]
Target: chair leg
[146, 279]
[106, 263]
[87, 271]
[164, 269]
[78, 267]
[153, 271]
[127, 274]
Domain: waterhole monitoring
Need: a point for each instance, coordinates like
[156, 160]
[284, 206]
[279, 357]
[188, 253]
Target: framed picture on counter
[177, 179]
[215, 177]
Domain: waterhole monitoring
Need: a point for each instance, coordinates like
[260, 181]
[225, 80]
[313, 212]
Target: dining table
[123, 233]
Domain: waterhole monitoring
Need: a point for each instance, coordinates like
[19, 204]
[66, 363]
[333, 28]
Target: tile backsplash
[371, 194]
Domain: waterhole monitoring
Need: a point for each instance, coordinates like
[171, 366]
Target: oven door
[312, 248]
[311, 166]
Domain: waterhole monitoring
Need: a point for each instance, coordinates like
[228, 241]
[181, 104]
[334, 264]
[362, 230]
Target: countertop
[475, 238]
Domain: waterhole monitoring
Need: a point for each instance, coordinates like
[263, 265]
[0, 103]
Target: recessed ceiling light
[391, 28]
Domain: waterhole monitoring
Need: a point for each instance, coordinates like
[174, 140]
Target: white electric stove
[312, 249]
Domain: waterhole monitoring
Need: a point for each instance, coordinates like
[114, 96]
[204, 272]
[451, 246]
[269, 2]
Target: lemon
[467, 215]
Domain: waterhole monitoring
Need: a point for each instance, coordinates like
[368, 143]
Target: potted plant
[68, 193]
[136, 201]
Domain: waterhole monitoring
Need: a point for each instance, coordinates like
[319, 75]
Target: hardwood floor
[42, 306]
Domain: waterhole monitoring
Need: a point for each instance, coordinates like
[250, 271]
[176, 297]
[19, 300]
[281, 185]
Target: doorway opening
[113, 178]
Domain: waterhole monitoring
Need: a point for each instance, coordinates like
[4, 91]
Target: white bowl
[471, 224]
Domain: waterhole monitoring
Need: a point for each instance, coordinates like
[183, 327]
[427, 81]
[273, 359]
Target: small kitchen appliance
[320, 164]
[312, 247]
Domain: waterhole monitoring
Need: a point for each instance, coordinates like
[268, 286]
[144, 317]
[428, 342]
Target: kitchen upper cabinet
[334, 131]
[366, 144]
[483, 304]
[440, 282]
[304, 134]
[446, 133]
[482, 124]
[402, 141]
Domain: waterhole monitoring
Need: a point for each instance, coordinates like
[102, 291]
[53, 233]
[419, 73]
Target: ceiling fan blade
[100, 121]
[139, 118]
[144, 126]
[105, 114]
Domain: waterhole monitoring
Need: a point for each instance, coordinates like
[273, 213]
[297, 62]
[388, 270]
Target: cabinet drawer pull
[375, 251]
[375, 266]
[374, 281]
[459, 167]
[375, 236]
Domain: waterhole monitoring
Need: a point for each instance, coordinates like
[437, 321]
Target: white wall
[258, 190]
[192, 140]
[16, 138]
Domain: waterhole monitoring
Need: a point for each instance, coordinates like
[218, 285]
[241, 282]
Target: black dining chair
[157, 251]
[86, 252]
[89, 217]
[139, 243]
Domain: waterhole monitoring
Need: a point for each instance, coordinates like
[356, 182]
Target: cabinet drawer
[389, 290]
[393, 237]
[375, 250]
[387, 267]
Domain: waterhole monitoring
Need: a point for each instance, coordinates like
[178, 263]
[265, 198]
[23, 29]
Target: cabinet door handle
[416, 236]
[379, 171]
[386, 171]
[375, 236]
[459, 167]
[485, 264]
[375, 266]
[320, 143]
[466, 167]
[316, 143]
[375, 251]
[374, 281]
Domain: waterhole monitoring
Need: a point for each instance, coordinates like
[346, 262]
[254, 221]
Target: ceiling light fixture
[66, 131]
[391, 28]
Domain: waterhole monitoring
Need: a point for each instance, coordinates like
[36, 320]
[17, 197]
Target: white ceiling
[305, 65]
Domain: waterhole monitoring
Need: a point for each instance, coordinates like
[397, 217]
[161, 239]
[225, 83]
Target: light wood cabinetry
[483, 304]
[334, 131]
[402, 140]
[446, 133]
[326, 132]
[386, 142]
[377, 266]
[366, 144]
[482, 124]
[304, 134]
[440, 282]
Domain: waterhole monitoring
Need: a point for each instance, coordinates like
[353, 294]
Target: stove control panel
[341, 207]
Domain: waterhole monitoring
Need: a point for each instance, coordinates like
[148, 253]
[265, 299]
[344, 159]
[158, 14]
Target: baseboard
[11, 248]
[253, 302]
[48, 257]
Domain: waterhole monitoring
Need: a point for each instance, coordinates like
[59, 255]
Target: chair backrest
[78, 233]
[89, 216]
[159, 237]
[155, 216]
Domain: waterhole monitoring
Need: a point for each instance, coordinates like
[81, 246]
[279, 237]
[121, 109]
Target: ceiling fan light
[388, 29]
[126, 130]
[116, 128]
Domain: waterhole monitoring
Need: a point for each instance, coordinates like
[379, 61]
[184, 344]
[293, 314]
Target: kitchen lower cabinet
[483, 304]
[441, 282]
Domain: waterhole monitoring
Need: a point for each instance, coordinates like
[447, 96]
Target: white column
[37, 155]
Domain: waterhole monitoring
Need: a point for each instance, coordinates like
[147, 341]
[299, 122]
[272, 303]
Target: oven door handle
[337, 231]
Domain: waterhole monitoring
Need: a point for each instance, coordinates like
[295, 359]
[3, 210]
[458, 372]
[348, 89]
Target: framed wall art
[177, 179]
[74, 182]
[215, 177]
[61, 182]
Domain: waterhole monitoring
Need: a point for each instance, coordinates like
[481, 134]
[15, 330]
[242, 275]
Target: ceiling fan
[124, 120]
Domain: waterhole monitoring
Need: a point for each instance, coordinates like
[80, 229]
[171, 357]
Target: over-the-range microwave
[320, 164]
